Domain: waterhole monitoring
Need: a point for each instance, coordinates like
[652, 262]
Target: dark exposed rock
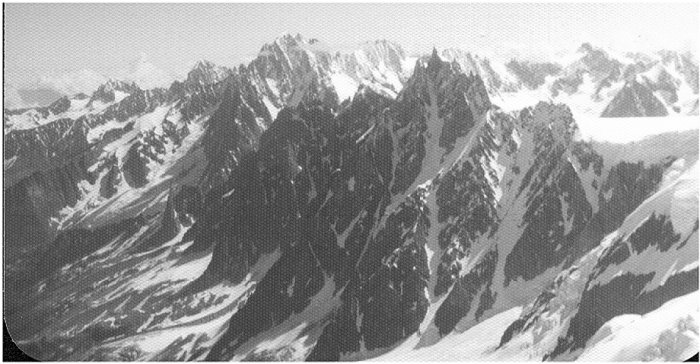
[635, 99]
[31, 203]
[464, 293]
[545, 241]
[626, 293]
[108, 183]
[594, 63]
[44, 148]
[622, 295]
[284, 188]
[627, 185]
[465, 201]
[167, 228]
[59, 106]
[188, 204]
[233, 131]
[329, 194]
[134, 167]
[532, 74]
[68, 246]
[106, 92]
[206, 73]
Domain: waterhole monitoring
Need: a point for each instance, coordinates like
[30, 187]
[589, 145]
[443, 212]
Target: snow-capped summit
[316, 204]
[593, 63]
[290, 39]
[657, 85]
[111, 91]
[496, 81]
[293, 68]
[596, 82]
[205, 72]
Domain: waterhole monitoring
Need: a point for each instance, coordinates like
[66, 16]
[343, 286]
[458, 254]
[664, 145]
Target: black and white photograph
[420, 182]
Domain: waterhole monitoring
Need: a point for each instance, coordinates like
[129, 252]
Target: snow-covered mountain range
[590, 80]
[318, 205]
[593, 82]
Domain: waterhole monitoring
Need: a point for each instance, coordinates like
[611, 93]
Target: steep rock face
[427, 139]
[646, 261]
[167, 227]
[233, 130]
[135, 169]
[685, 64]
[339, 230]
[60, 106]
[627, 293]
[42, 176]
[587, 80]
[55, 159]
[626, 186]
[62, 151]
[567, 197]
[592, 79]
[556, 207]
[88, 126]
[44, 261]
[634, 99]
[471, 63]
[111, 90]
[191, 137]
[110, 181]
[138, 101]
[298, 196]
[440, 105]
[664, 83]
[331, 161]
[294, 69]
[519, 186]
[663, 235]
[291, 68]
[207, 73]
[659, 80]
[195, 99]
[35, 200]
[592, 62]
[44, 148]
[440, 244]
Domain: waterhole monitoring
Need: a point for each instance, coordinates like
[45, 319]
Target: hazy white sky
[52, 39]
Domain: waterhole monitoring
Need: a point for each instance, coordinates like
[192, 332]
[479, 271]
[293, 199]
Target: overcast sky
[52, 39]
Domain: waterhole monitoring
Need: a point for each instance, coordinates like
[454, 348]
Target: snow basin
[623, 130]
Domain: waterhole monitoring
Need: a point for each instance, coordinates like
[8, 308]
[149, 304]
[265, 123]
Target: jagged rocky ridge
[395, 270]
[57, 155]
[335, 232]
[94, 160]
[593, 82]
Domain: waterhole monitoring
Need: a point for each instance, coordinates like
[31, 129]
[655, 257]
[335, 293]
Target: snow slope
[312, 205]
[669, 333]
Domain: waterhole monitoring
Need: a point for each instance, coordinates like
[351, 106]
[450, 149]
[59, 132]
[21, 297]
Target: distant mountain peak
[203, 64]
[435, 55]
[358, 205]
[206, 72]
[107, 92]
[585, 47]
[114, 84]
[290, 40]
[433, 64]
